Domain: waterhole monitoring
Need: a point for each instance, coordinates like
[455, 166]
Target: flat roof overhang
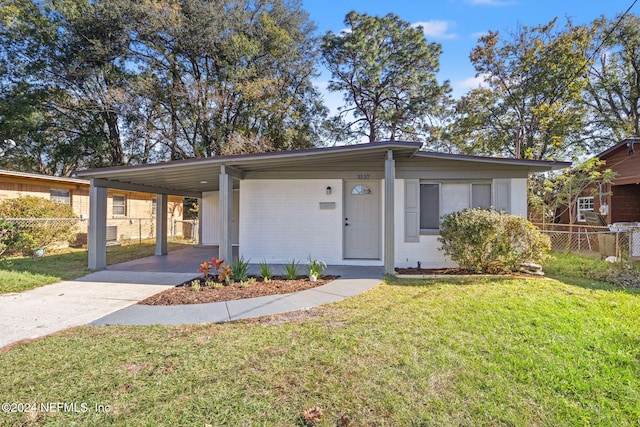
[191, 177]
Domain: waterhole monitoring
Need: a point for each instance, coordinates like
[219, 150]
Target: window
[429, 206]
[439, 199]
[154, 207]
[119, 205]
[360, 190]
[481, 196]
[62, 196]
[585, 204]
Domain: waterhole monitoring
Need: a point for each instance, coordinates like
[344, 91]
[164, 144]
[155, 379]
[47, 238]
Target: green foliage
[485, 240]
[531, 103]
[195, 285]
[315, 268]
[8, 236]
[387, 73]
[613, 90]
[37, 234]
[266, 271]
[210, 78]
[562, 190]
[291, 270]
[239, 269]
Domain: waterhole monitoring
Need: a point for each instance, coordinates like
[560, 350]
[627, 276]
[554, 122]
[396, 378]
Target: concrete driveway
[52, 308]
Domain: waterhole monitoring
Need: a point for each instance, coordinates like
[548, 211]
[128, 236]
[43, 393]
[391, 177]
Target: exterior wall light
[328, 190]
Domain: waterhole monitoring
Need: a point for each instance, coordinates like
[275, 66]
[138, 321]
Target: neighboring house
[623, 204]
[130, 213]
[367, 204]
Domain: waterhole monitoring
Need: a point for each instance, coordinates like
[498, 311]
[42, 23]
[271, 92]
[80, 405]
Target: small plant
[249, 282]
[204, 269]
[239, 269]
[291, 270]
[315, 269]
[210, 283]
[225, 274]
[266, 271]
[195, 285]
[217, 285]
[216, 263]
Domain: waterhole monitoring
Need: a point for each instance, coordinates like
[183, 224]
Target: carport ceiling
[193, 176]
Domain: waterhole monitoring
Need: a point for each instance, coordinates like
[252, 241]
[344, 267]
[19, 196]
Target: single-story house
[130, 213]
[367, 204]
[622, 204]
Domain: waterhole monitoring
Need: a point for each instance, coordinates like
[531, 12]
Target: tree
[387, 71]
[613, 92]
[88, 83]
[530, 104]
[561, 191]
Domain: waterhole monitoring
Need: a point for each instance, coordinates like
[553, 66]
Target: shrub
[485, 240]
[291, 270]
[315, 268]
[8, 236]
[36, 234]
[239, 269]
[266, 271]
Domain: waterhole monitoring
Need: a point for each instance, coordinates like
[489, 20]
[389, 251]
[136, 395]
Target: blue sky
[457, 24]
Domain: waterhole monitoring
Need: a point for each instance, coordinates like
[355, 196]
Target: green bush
[485, 240]
[8, 236]
[30, 235]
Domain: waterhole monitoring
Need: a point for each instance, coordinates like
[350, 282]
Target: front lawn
[518, 352]
[22, 273]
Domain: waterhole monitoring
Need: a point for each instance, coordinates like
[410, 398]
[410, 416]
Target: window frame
[579, 210]
[123, 206]
[154, 207]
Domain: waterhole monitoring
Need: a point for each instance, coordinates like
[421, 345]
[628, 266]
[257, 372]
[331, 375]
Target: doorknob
[346, 224]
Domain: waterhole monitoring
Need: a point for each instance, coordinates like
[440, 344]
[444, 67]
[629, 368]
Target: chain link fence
[61, 232]
[622, 242]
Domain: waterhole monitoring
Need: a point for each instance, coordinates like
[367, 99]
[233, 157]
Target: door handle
[346, 223]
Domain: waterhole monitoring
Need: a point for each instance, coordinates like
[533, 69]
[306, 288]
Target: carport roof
[193, 176]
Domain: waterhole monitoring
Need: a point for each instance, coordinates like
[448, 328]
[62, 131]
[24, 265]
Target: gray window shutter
[502, 195]
[411, 210]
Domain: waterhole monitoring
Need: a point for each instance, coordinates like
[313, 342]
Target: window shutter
[411, 210]
[503, 195]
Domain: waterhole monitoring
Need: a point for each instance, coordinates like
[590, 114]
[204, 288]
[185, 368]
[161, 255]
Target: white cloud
[472, 83]
[436, 29]
[479, 34]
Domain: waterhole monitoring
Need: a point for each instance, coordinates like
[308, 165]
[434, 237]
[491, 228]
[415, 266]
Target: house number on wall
[364, 176]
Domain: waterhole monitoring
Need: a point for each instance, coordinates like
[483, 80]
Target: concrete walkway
[239, 309]
[111, 296]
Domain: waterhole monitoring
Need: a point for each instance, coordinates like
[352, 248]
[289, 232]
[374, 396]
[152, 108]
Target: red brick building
[623, 202]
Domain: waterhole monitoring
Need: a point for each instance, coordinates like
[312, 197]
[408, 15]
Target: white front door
[362, 219]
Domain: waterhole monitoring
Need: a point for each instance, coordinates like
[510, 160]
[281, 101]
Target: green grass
[581, 270]
[513, 352]
[22, 273]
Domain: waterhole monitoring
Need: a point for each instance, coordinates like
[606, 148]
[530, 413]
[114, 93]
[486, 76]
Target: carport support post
[226, 202]
[389, 236]
[97, 230]
[161, 224]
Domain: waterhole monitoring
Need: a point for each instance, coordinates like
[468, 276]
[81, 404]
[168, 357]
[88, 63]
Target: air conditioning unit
[112, 233]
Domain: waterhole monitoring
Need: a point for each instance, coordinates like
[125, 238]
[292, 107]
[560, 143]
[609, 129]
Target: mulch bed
[184, 293]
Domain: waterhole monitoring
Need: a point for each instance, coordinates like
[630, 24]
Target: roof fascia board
[534, 165]
[240, 160]
[13, 174]
[117, 185]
